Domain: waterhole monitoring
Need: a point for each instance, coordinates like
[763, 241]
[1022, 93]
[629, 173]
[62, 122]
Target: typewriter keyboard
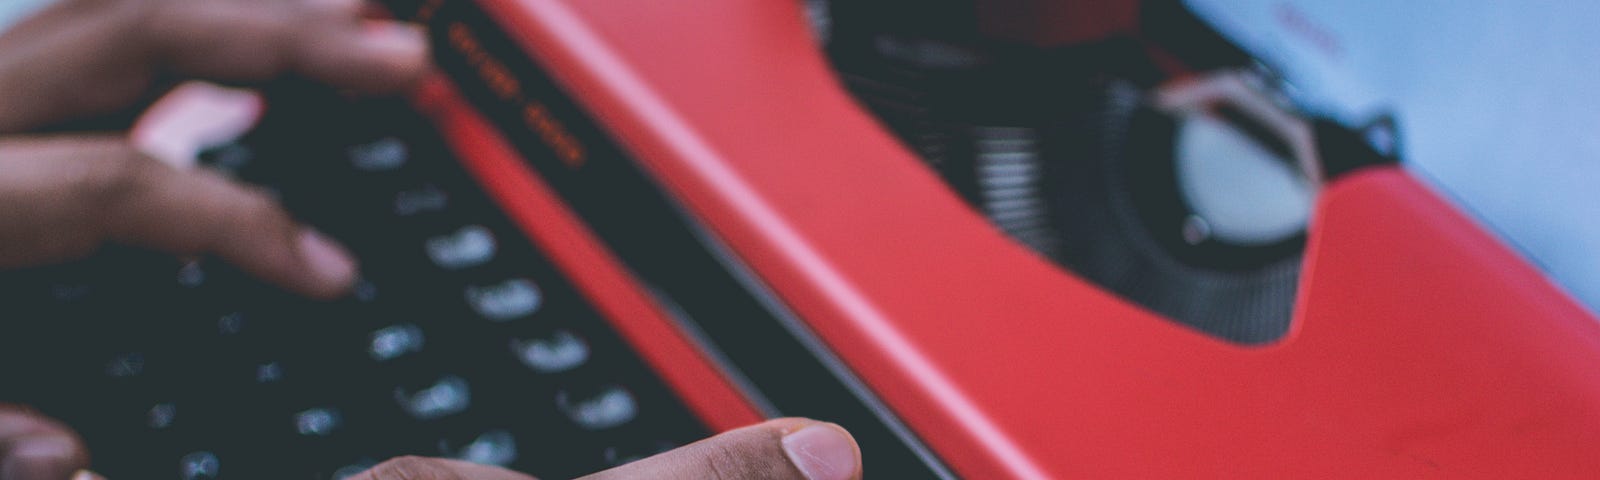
[460, 341]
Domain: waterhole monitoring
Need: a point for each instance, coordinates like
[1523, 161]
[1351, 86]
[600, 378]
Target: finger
[779, 449]
[251, 40]
[61, 198]
[419, 468]
[89, 57]
[37, 448]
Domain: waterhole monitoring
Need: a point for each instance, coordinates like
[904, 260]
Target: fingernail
[36, 459]
[87, 475]
[822, 451]
[328, 261]
[335, 7]
[401, 42]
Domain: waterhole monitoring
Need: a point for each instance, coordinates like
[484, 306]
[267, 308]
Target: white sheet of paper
[1499, 102]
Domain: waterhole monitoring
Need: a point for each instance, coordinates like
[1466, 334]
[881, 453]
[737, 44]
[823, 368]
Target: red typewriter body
[1420, 345]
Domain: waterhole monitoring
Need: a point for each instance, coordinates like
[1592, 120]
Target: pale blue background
[1499, 102]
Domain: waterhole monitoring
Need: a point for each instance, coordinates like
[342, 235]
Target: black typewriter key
[318, 422]
[387, 344]
[364, 291]
[445, 216]
[598, 408]
[346, 470]
[125, 366]
[512, 426]
[164, 434]
[192, 275]
[71, 292]
[385, 154]
[161, 416]
[346, 428]
[158, 427]
[216, 458]
[460, 340]
[446, 396]
[420, 201]
[199, 465]
[135, 377]
[374, 169]
[465, 247]
[405, 380]
[505, 300]
[224, 335]
[123, 377]
[484, 446]
[556, 351]
[267, 372]
[318, 436]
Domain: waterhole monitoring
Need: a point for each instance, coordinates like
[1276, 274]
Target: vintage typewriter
[978, 235]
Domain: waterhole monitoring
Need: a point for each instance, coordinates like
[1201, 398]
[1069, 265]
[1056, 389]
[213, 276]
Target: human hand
[37, 448]
[64, 195]
[789, 448]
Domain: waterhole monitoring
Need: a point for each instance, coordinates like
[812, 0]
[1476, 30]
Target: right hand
[36, 448]
[783, 449]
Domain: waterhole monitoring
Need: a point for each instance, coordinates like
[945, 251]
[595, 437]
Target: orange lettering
[554, 135]
[505, 85]
[499, 79]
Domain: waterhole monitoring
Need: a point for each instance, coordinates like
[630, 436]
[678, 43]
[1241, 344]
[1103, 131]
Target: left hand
[61, 193]
[34, 447]
[82, 58]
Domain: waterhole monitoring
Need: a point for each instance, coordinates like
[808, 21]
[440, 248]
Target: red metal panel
[1422, 345]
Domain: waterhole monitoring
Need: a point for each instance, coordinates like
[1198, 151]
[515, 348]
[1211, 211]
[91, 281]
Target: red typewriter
[1010, 239]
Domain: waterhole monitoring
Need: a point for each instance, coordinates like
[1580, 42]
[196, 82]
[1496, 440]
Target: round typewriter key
[496, 447]
[447, 396]
[200, 465]
[505, 301]
[386, 154]
[318, 422]
[395, 341]
[558, 351]
[469, 246]
[606, 407]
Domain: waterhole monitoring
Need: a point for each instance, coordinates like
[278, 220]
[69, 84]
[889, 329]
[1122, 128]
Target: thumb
[36, 448]
[789, 448]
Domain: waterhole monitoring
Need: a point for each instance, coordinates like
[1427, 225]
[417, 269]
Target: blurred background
[1496, 103]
